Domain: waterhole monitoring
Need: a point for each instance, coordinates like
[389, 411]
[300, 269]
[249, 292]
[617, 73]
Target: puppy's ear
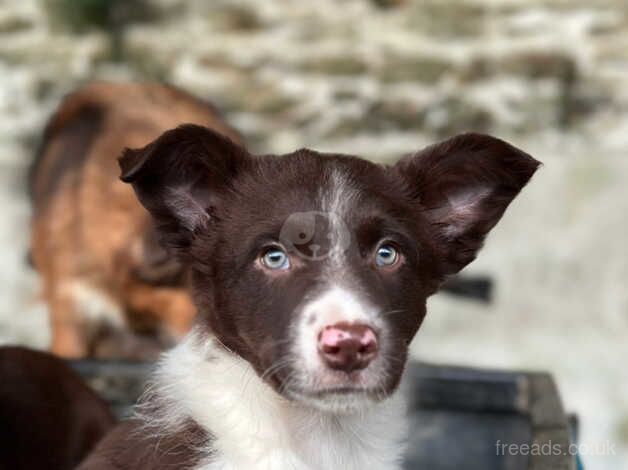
[462, 186]
[179, 178]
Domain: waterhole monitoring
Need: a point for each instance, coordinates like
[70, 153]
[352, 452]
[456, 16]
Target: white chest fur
[255, 428]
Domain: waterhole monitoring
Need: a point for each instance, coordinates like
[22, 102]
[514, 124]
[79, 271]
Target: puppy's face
[316, 268]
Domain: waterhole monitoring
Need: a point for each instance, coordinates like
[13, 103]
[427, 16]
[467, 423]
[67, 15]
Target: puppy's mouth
[324, 393]
[333, 391]
[340, 399]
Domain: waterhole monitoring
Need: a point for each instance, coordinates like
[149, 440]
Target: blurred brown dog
[112, 290]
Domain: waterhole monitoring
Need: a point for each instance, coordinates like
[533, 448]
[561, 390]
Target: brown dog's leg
[68, 335]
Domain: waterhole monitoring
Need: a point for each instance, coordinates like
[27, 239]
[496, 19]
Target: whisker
[392, 312]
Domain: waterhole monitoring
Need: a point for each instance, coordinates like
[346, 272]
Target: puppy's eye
[386, 256]
[275, 258]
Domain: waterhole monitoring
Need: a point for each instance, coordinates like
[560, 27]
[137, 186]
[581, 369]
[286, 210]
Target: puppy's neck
[251, 426]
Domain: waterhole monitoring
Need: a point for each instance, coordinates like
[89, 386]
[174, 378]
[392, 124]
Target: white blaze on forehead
[337, 199]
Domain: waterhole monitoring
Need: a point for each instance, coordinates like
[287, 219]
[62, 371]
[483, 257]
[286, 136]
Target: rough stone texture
[381, 79]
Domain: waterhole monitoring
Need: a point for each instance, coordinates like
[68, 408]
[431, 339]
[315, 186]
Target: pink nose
[347, 347]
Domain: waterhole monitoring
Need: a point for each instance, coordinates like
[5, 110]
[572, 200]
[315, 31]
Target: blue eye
[385, 256]
[276, 258]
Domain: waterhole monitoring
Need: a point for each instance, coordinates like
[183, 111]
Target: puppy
[111, 289]
[50, 418]
[310, 272]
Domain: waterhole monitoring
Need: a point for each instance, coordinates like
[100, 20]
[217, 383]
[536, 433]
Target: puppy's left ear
[462, 186]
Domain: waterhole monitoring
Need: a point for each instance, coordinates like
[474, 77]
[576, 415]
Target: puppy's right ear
[180, 177]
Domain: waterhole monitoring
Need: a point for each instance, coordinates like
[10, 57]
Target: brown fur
[135, 448]
[91, 237]
[50, 418]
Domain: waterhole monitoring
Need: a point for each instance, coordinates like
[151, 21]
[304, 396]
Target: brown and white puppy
[311, 273]
[105, 277]
[49, 417]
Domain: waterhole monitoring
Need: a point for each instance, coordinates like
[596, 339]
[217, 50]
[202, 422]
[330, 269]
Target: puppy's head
[315, 268]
